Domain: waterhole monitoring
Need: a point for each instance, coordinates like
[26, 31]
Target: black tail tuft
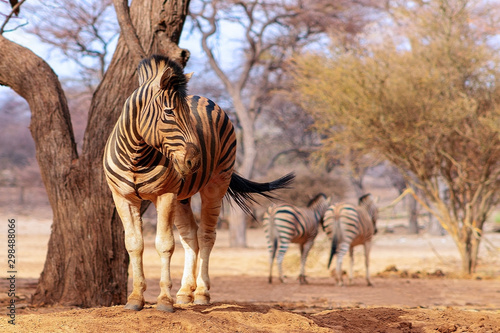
[333, 250]
[241, 190]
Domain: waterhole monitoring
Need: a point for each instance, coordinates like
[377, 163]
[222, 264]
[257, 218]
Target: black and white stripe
[348, 226]
[285, 224]
[166, 147]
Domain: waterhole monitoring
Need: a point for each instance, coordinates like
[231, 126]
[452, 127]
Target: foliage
[427, 102]
[268, 32]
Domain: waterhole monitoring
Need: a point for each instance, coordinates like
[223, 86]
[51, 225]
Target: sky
[189, 39]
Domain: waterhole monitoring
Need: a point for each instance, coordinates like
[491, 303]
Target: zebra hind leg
[351, 264]
[272, 254]
[211, 201]
[344, 247]
[279, 259]
[187, 227]
[304, 252]
[367, 262]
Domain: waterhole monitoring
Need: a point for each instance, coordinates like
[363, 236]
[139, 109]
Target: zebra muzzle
[192, 159]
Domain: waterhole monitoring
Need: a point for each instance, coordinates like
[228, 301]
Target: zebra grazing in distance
[285, 224]
[347, 226]
[165, 147]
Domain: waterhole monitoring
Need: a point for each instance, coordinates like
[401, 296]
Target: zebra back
[294, 224]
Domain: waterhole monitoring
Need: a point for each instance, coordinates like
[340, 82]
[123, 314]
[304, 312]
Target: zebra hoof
[184, 299]
[202, 299]
[165, 307]
[134, 305]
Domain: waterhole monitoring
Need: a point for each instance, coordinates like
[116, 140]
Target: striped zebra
[285, 224]
[167, 146]
[347, 226]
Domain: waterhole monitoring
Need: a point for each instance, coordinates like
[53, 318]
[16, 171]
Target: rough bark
[86, 262]
[413, 227]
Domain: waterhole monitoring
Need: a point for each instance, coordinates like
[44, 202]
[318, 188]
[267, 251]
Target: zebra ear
[167, 75]
[188, 76]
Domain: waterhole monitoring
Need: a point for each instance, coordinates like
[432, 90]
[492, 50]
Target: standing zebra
[347, 226]
[165, 147]
[285, 224]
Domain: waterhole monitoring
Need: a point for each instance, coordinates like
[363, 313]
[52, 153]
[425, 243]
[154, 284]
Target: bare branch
[15, 10]
[208, 51]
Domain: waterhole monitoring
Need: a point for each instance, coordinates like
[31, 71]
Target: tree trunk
[237, 228]
[86, 262]
[413, 217]
[237, 218]
[469, 251]
[435, 228]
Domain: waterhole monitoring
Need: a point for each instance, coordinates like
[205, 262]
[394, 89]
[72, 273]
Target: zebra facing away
[285, 224]
[165, 147]
[347, 226]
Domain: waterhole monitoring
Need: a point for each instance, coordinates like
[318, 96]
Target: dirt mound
[244, 317]
[414, 291]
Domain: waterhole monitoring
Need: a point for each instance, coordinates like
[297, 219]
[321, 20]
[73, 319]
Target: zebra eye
[168, 111]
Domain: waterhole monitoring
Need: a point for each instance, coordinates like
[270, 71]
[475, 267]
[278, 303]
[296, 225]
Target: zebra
[285, 224]
[166, 147]
[348, 226]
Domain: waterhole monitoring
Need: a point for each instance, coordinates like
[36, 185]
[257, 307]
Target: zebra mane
[316, 198]
[156, 65]
[362, 198]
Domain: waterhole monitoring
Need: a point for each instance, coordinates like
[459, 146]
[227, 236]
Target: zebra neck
[133, 145]
[319, 209]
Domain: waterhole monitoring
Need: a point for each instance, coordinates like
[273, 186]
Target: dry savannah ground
[417, 288]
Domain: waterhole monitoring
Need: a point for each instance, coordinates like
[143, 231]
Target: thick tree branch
[128, 31]
[36, 82]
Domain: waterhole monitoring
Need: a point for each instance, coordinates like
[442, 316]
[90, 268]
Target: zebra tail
[333, 250]
[242, 190]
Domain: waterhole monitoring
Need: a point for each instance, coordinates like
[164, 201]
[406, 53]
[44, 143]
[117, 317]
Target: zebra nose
[192, 158]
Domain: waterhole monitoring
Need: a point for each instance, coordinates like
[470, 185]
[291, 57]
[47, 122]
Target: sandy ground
[417, 288]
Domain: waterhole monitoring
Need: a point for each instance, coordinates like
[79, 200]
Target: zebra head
[367, 202]
[165, 120]
[319, 204]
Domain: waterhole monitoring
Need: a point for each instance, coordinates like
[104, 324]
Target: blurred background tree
[265, 34]
[424, 96]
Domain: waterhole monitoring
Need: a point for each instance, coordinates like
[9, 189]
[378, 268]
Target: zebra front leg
[130, 214]
[165, 207]
[304, 252]
[186, 224]
[368, 246]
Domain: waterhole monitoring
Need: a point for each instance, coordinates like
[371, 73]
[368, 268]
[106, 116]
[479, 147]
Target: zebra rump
[242, 190]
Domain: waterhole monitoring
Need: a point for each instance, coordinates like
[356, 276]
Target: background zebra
[347, 226]
[165, 147]
[285, 224]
